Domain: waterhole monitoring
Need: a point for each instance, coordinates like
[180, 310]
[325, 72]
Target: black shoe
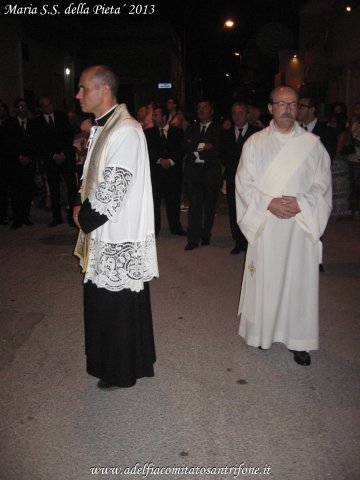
[237, 249]
[72, 224]
[28, 222]
[191, 246]
[301, 357]
[181, 232]
[15, 225]
[106, 386]
[321, 268]
[205, 241]
[54, 223]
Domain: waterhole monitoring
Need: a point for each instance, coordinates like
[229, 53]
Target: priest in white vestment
[283, 201]
[116, 242]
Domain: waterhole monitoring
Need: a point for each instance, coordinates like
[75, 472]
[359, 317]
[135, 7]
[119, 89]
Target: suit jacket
[328, 137]
[230, 149]
[210, 170]
[57, 138]
[171, 147]
[18, 142]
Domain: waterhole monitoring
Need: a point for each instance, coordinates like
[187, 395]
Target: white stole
[285, 164]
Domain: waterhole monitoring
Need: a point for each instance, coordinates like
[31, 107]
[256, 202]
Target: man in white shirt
[283, 187]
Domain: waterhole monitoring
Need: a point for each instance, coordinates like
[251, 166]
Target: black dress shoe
[301, 357]
[28, 222]
[106, 386]
[321, 268]
[15, 225]
[72, 224]
[54, 223]
[205, 241]
[182, 233]
[237, 249]
[191, 246]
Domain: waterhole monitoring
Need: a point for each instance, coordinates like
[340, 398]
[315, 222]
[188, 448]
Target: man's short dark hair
[311, 99]
[5, 107]
[208, 101]
[240, 103]
[105, 75]
[164, 110]
[43, 97]
[174, 99]
[17, 101]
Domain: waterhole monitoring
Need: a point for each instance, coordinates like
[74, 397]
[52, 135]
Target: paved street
[213, 402]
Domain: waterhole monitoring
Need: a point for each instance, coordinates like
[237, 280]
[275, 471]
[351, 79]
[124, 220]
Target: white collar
[310, 126]
[103, 115]
[243, 128]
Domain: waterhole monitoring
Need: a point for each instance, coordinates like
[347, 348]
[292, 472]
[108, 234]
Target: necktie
[239, 138]
[162, 133]
[50, 120]
[23, 125]
[305, 127]
[202, 132]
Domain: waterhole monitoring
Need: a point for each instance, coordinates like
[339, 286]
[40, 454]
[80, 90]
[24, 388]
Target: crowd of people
[40, 148]
[278, 170]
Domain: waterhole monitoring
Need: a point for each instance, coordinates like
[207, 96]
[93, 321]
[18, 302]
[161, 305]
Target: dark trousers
[354, 178]
[236, 233]
[203, 197]
[53, 175]
[4, 188]
[22, 189]
[167, 186]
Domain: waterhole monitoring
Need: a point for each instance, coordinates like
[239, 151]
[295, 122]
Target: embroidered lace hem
[115, 266]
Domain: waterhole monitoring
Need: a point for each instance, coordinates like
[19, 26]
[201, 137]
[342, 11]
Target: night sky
[262, 28]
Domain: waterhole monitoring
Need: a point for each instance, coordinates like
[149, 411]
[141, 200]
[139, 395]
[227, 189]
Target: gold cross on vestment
[252, 268]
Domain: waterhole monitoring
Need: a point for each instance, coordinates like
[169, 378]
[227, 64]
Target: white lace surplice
[123, 251]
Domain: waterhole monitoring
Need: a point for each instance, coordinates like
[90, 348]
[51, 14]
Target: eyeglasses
[303, 105]
[283, 105]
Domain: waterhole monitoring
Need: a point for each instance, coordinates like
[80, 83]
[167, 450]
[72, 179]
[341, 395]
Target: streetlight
[227, 75]
[229, 23]
[238, 54]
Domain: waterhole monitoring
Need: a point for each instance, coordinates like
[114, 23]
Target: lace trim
[116, 266]
[110, 192]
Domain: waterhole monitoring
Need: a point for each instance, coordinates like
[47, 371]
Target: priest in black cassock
[116, 242]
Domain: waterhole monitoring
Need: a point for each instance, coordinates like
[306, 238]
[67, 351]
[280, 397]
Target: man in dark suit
[55, 147]
[19, 147]
[4, 167]
[306, 116]
[165, 145]
[231, 143]
[202, 175]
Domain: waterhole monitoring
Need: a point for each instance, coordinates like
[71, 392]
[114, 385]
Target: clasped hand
[284, 207]
[165, 163]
